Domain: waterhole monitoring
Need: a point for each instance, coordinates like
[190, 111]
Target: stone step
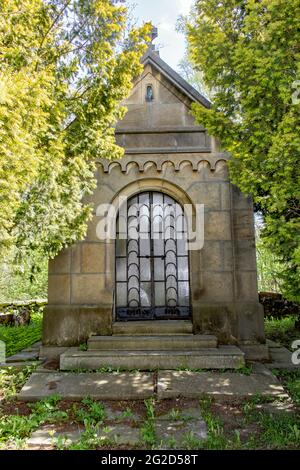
[148, 343]
[224, 357]
[159, 327]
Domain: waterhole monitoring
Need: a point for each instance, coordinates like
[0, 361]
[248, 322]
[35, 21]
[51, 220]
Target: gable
[166, 122]
[172, 101]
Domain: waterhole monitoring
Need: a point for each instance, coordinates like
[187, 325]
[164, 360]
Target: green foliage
[216, 439]
[93, 413]
[291, 381]
[282, 330]
[15, 428]
[269, 268]
[12, 380]
[280, 432]
[245, 370]
[23, 280]
[128, 413]
[248, 52]
[65, 67]
[17, 338]
[148, 435]
[89, 439]
[277, 432]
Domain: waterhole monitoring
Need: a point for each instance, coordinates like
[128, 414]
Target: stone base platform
[224, 357]
[223, 386]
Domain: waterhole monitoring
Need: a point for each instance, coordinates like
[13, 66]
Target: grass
[291, 381]
[282, 330]
[15, 429]
[17, 338]
[93, 413]
[279, 431]
[216, 439]
[148, 435]
[11, 381]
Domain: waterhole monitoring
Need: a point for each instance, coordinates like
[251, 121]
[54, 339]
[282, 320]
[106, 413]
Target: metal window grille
[152, 263]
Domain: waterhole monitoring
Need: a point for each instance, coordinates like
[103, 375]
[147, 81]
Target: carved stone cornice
[160, 160]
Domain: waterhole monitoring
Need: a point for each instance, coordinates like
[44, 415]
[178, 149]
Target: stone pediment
[164, 123]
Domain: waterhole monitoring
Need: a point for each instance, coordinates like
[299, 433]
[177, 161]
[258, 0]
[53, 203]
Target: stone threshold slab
[223, 386]
[224, 357]
[99, 386]
[20, 365]
[138, 386]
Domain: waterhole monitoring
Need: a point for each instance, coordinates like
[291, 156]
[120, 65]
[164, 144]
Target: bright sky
[164, 14]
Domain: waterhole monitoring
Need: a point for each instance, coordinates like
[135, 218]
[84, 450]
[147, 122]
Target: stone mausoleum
[152, 303]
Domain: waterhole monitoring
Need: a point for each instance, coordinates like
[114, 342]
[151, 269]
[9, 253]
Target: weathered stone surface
[118, 415]
[76, 259]
[148, 343]
[217, 285]
[222, 386]
[91, 289]
[176, 434]
[74, 324]
[34, 347]
[7, 319]
[225, 196]
[255, 352]
[246, 286]
[23, 356]
[185, 414]
[59, 289]
[281, 358]
[61, 263]
[208, 194]
[70, 386]
[171, 327]
[93, 258]
[120, 434]
[217, 225]
[278, 407]
[51, 352]
[251, 323]
[245, 256]
[210, 358]
[17, 366]
[273, 344]
[212, 256]
[243, 224]
[219, 318]
[47, 436]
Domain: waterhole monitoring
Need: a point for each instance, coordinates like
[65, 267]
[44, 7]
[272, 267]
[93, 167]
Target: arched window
[149, 93]
[152, 261]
